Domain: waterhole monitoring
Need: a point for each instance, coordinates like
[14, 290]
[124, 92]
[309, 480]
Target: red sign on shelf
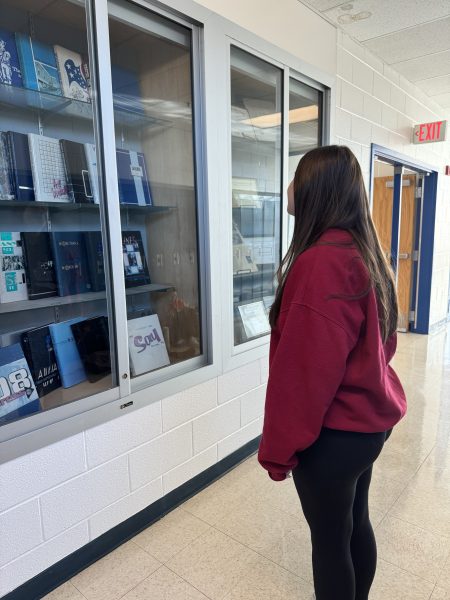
[425, 133]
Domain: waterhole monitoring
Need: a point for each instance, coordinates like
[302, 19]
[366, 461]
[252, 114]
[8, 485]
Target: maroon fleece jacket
[328, 366]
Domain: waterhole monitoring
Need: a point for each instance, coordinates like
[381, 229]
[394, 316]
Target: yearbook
[18, 395]
[38, 65]
[22, 176]
[134, 187]
[10, 73]
[73, 80]
[38, 348]
[92, 340]
[39, 265]
[6, 185]
[71, 267]
[146, 345]
[96, 266]
[77, 172]
[13, 283]
[134, 261]
[49, 173]
[70, 367]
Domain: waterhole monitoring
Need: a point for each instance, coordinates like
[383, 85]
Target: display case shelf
[63, 206]
[127, 111]
[24, 305]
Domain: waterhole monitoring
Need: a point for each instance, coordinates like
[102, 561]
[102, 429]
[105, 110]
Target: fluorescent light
[296, 115]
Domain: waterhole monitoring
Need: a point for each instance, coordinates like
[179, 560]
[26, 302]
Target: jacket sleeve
[305, 373]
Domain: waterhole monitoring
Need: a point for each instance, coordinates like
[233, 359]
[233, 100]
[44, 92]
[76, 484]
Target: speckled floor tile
[440, 594]
[411, 548]
[264, 580]
[391, 583]
[384, 492]
[116, 574]
[427, 509]
[65, 592]
[171, 534]
[164, 585]
[214, 563]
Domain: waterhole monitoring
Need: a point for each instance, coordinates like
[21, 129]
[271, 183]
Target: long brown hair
[329, 192]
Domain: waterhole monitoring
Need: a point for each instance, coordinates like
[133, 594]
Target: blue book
[70, 366]
[71, 265]
[134, 187]
[10, 73]
[126, 90]
[18, 395]
[38, 65]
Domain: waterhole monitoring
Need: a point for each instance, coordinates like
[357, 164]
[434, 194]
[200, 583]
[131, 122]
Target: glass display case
[56, 340]
[256, 146]
[152, 80]
[305, 126]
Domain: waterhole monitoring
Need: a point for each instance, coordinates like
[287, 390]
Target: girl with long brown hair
[332, 398]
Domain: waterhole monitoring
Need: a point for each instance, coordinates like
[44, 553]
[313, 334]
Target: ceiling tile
[385, 16]
[435, 85]
[431, 65]
[322, 5]
[414, 42]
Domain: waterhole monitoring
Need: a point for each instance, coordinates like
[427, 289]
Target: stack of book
[37, 265]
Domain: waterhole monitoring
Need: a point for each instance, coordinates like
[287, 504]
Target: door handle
[404, 255]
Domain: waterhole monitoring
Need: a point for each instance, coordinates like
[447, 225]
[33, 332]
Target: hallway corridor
[244, 537]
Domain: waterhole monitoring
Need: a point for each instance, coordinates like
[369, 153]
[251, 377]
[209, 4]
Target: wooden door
[383, 198]
[406, 251]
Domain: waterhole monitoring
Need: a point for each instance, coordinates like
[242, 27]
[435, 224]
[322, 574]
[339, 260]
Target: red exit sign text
[426, 133]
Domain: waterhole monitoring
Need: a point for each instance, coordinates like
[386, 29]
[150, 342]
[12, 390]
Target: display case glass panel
[305, 126]
[56, 344]
[152, 81]
[256, 145]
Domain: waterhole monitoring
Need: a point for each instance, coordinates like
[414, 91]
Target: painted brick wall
[374, 104]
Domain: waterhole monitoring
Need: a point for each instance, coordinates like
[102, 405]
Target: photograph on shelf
[92, 340]
[70, 261]
[39, 265]
[147, 345]
[70, 365]
[76, 169]
[134, 260]
[13, 283]
[10, 73]
[242, 254]
[254, 319]
[47, 165]
[6, 185]
[71, 73]
[38, 348]
[38, 65]
[18, 395]
[134, 187]
[21, 171]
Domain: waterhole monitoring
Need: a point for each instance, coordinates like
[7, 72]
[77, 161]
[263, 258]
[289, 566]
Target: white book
[146, 345]
[91, 158]
[254, 318]
[47, 165]
[13, 285]
[71, 74]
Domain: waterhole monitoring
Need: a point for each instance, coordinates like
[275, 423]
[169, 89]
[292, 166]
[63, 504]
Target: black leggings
[332, 480]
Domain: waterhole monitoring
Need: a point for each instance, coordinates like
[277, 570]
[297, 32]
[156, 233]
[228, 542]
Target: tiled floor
[244, 537]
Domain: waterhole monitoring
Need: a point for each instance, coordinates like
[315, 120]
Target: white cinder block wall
[374, 104]
[57, 499]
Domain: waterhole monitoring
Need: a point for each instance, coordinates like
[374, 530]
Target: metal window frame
[212, 40]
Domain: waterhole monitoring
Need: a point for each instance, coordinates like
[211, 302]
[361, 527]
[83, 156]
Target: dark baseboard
[78, 561]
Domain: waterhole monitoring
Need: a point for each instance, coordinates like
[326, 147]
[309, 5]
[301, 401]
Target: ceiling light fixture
[296, 115]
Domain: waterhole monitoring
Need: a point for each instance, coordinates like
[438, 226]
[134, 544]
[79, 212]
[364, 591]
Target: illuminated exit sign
[426, 133]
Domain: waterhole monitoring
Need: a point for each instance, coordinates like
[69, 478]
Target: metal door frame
[424, 229]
